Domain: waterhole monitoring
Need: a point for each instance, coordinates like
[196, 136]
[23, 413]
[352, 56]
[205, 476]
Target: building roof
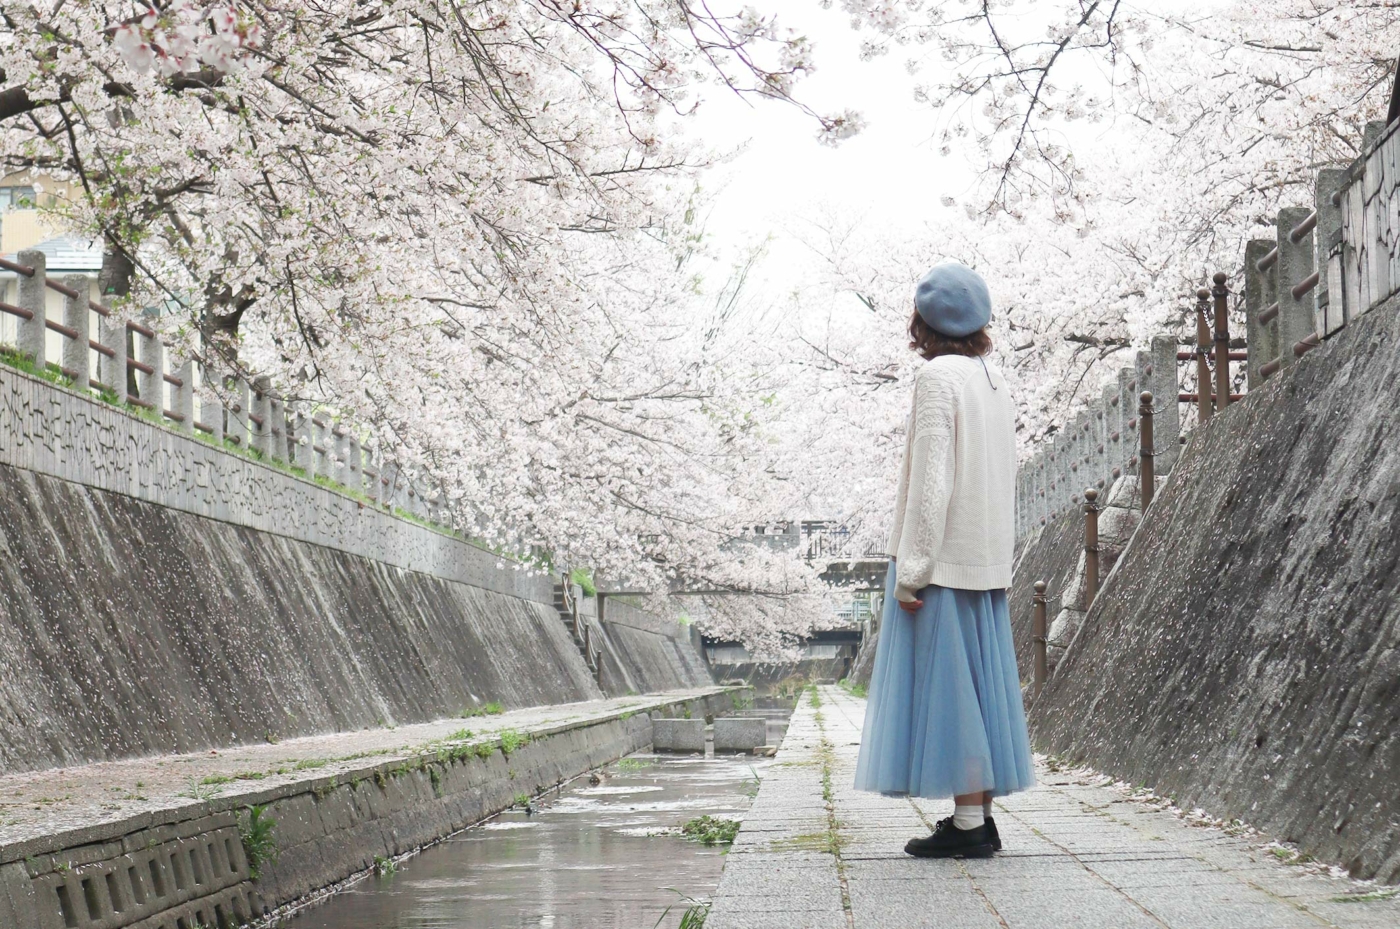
[70, 253]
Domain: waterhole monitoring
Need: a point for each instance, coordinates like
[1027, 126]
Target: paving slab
[1078, 853]
[35, 805]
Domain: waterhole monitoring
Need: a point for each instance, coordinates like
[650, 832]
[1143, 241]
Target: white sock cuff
[967, 817]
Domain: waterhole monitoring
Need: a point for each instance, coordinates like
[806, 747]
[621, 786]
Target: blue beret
[953, 300]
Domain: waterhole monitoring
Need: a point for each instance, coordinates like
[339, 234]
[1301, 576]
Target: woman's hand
[910, 606]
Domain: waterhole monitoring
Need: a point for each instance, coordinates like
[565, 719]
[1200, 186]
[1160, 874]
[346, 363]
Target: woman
[944, 717]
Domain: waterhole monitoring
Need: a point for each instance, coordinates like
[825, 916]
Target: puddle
[592, 856]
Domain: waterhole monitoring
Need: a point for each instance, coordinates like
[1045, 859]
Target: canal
[604, 852]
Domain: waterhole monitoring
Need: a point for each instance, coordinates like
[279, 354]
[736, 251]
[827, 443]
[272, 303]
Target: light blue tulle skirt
[944, 715]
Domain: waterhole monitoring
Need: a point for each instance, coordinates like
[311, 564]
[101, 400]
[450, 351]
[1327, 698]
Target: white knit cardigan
[954, 521]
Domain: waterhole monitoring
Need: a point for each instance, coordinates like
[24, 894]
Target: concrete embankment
[1244, 657]
[171, 843]
[647, 654]
[161, 594]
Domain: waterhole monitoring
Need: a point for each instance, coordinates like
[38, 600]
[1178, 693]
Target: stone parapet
[73, 436]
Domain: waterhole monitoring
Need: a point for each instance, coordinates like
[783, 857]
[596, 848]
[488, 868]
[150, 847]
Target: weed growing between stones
[259, 846]
[522, 800]
[814, 698]
[826, 755]
[854, 689]
[201, 791]
[633, 764]
[741, 701]
[751, 784]
[512, 740]
[22, 362]
[384, 867]
[694, 916]
[486, 709]
[711, 830]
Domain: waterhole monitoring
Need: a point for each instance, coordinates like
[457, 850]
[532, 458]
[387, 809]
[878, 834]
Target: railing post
[1038, 632]
[1091, 547]
[1166, 423]
[1099, 438]
[1295, 269]
[1127, 414]
[355, 477]
[588, 644]
[1020, 508]
[1042, 480]
[1221, 293]
[1072, 434]
[238, 422]
[1147, 475]
[300, 431]
[357, 465]
[1260, 295]
[153, 353]
[341, 471]
[211, 406]
[31, 334]
[1112, 437]
[277, 434]
[76, 353]
[182, 397]
[111, 332]
[388, 477]
[320, 447]
[1203, 388]
[260, 418]
[1333, 313]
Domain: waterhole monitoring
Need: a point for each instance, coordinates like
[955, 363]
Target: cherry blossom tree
[467, 230]
[1125, 155]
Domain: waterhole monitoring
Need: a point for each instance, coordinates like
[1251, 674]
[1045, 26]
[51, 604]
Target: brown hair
[930, 344]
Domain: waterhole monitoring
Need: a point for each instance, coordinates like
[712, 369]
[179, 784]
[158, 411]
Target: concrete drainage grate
[199, 880]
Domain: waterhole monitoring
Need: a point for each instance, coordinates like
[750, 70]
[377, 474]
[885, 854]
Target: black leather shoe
[948, 841]
[992, 835]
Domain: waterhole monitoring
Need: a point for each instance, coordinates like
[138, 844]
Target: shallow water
[590, 856]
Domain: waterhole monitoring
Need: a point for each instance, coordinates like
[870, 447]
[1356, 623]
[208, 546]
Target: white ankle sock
[987, 810]
[967, 817]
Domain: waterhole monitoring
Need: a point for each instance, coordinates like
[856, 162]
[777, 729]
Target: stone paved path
[38, 804]
[815, 854]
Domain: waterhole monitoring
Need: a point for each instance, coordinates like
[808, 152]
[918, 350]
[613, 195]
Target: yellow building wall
[21, 229]
[27, 228]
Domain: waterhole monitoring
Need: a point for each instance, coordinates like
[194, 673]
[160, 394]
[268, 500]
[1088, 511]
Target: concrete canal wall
[188, 863]
[160, 594]
[1244, 656]
[648, 654]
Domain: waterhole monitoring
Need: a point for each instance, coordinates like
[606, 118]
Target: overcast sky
[889, 174]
